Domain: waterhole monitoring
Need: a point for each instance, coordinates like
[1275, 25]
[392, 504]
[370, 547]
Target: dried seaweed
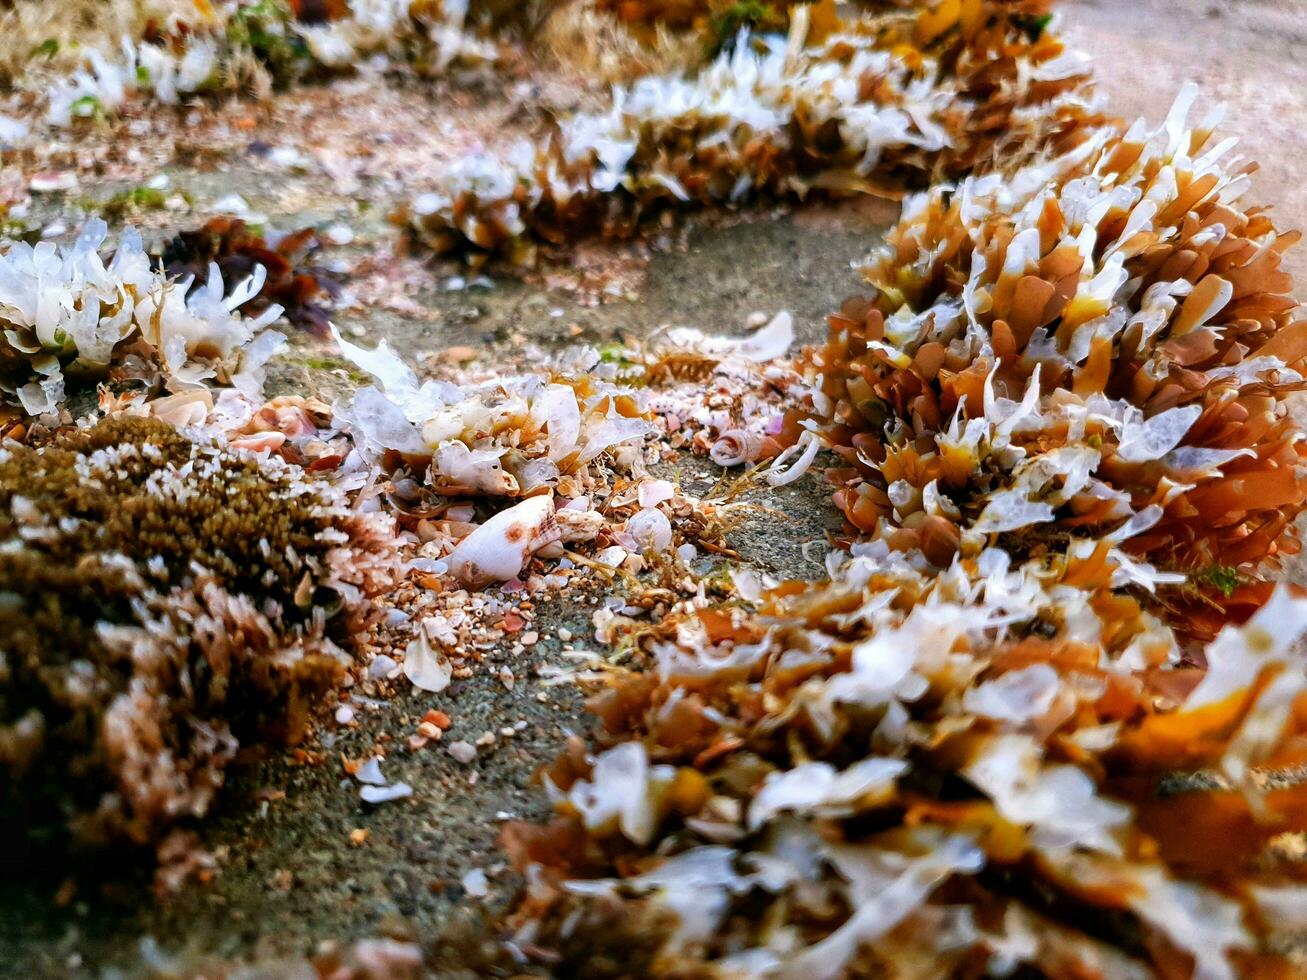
[953, 769]
[1025, 723]
[71, 310]
[872, 106]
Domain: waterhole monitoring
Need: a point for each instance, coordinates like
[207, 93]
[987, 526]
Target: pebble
[475, 883]
[339, 234]
[565, 635]
[53, 181]
[384, 794]
[381, 666]
[344, 714]
[463, 752]
[437, 718]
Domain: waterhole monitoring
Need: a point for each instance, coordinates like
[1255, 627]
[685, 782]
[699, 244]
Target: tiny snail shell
[498, 549]
[736, 446]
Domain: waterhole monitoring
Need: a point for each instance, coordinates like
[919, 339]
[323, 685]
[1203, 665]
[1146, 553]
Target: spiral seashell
[737, 446]
[498, 549]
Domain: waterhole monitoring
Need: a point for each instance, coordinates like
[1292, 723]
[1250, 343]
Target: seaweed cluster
[870, 106]
[68, 310]
[199, 48]
[717, 20]
[1103, 344]
[1046, 716]
[966, 770]
[292, 282]
[164, 601]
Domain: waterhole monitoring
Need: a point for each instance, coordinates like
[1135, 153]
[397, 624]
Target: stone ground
[291, 878]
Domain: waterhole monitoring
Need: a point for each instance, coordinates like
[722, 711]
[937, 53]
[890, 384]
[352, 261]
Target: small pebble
[384, 794]
[381, 666]
[475, 883]
[463, 752]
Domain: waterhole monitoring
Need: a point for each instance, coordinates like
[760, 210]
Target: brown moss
[160, 600]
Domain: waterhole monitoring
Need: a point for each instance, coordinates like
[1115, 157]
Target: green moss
[1033, 26]
[1221, 577]
[264, 28]
[752, 15]
[326, 364]
[134, 200]
[88, 107]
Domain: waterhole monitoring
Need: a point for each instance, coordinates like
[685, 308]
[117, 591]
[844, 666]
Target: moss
[264, 29]
[1223, 578]
[1033, 25]
[131, 201]
[750, 15]
[160, 602]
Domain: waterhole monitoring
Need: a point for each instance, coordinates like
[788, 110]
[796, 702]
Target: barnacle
[1101, 343]
[164, 600]
[870, 107]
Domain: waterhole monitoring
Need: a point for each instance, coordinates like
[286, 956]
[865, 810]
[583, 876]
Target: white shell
[579, 525]
[428, 669]
[498, 549]
[736, 446]
[651, 530]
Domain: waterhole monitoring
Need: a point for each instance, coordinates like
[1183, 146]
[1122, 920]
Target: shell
[185, 408]
[651, 530]
[579, 525]
[737, 446]
[498, 549]
[259, 442]
[807, 447]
